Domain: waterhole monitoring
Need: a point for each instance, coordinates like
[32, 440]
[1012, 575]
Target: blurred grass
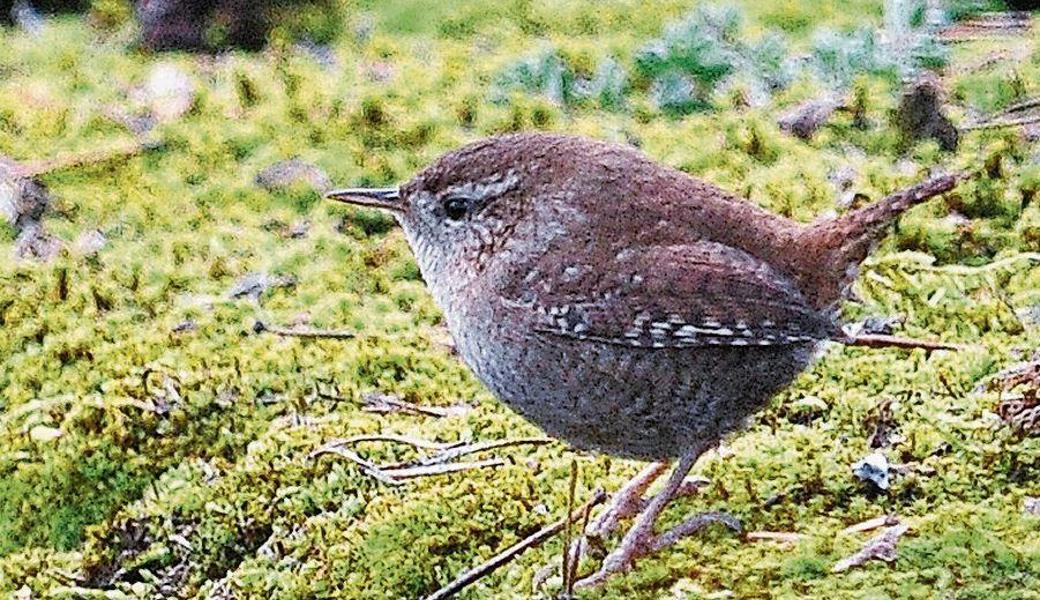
[96, 486]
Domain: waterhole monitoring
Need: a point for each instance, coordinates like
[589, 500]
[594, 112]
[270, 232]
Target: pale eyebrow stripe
[486, 188]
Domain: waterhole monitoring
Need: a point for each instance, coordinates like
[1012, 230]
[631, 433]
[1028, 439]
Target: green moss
[121, 438]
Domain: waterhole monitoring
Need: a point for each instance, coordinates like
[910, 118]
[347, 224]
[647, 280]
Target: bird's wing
[690, 295]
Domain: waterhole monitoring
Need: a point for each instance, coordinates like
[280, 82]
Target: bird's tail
[832, 250]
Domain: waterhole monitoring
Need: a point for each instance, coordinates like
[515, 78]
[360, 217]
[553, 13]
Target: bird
[626, 307]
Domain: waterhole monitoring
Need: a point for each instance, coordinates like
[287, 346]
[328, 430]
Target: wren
[623, 306]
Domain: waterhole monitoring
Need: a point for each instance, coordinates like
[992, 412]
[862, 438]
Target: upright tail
[832, 250]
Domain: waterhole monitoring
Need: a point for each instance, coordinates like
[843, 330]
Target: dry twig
[893, 341]
[36, 168]
[303, 332]
[871, 524]
[438, 463]
[454, 452]
[440, 469]
[880, 547]
[386, 403]
[512, 552]
[784, 537]
[997, 124]
[568, 585]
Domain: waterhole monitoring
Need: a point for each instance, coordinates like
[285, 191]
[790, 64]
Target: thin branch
[392, 437]
[627, 502]
[1020, 106]
[872, 524]
[437, 464]
[72, 161]
[576, 554]
[880, 547]
[512, 552]
[566, 568]
[459, 451]
[893, 341]
[774, 536]
[987, 61]
[367, 467]
[691, 526]
[1002, 123]
[303, 332]
[439, 469]
[385, 403]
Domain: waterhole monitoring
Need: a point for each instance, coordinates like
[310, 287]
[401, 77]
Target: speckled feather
[683, 296]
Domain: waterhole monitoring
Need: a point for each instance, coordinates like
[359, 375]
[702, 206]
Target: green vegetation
[142, 455]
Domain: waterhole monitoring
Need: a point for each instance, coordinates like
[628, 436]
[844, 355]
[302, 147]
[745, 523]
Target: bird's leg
[627, 502]
[640, 539]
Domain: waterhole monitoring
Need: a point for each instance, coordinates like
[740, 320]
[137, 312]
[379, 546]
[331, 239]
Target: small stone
[875, 469]
[253, 285]
[90, 243]
[843, 177]
[1031, 506]
[43, 434]
[287, 173]
[882, 324]
[170, 92]
[184, 326]
[803, 120]
[1031, 133]
[22, 199]
[907, 167]
[28, 18]
[851, 200]
[34, 242]
[320, 53]
[137, 124]
[811, 404]
[299, 229]
[1029, 314]
[378, 71]
[957, 219]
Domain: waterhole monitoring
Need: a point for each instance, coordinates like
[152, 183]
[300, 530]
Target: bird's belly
[631, 402]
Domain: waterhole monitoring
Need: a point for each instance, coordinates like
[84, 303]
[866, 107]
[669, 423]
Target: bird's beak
[387, 198]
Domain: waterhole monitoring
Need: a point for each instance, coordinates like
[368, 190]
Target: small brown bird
[624, 306]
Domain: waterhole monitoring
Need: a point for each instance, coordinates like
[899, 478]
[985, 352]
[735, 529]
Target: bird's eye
[456, 208]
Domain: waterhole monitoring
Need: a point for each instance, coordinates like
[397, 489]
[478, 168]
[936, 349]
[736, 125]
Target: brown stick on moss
[36, 168]
[303, 332]
[536, 539]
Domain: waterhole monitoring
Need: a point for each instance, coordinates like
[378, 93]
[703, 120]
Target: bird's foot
[641, 541]
[628, 502]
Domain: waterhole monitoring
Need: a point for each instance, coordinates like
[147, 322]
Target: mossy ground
[93, 481]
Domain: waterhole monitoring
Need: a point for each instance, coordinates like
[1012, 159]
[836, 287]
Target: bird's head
[470, 207]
